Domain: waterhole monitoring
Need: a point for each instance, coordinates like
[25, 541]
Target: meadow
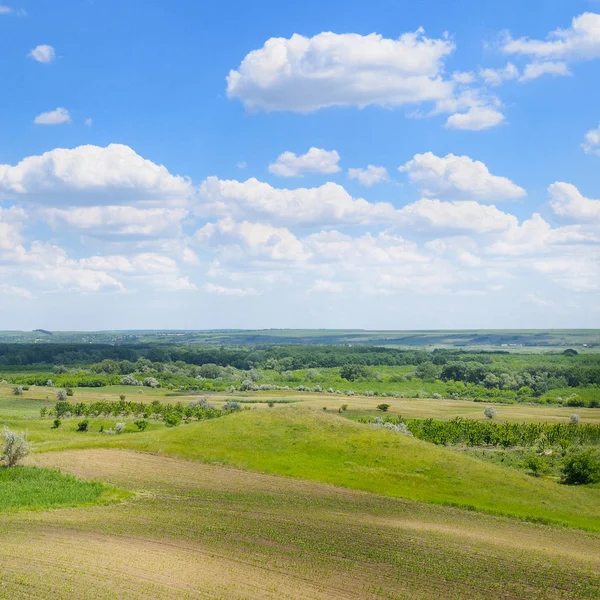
[251, 490]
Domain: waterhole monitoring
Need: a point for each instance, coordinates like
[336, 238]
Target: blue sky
[201, 165]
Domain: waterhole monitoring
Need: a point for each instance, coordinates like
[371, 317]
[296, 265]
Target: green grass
[321, 447]
[31, 488]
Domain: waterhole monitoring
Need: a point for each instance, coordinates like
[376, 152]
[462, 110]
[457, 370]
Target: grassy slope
[209, 531]
[327, 448]
[30, 488]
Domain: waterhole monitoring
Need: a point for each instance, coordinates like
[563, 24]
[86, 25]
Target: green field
[292, 496]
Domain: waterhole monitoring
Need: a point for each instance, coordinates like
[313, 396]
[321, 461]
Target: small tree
[581, 466]
[18, 390]
[575, 419]
[383, 407]
[490, 412]
[61, 395]
[14, 447]
[151, 382]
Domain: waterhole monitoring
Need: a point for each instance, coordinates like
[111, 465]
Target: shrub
[121, 396]
[25, 388]
[69, 392]
[43, 412]
[119, 427]
[172, 420]
[575, 419]
[56, 423]
[151, 382]
[383, 407]
[49, 383]
[344, 407]
[436, 396]
[14, 447]
[581, 466]
[61, 395]
[398, 428]
[270, 404]
[18, 390]
[490, 412]
[82, 425]
[231, 405]
[202, 403]
[129, 380]
[142, 424]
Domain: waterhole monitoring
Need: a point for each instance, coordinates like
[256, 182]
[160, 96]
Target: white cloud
[537, 69]
[213, 288]
[430, 214]
[330, 204]
[581, 41]
[369, 176]
[476, 118]
[495, 77]
[591, 144]
[459, 177]
[88, 122]
[305, 74]
[58, 116]
[43, 53]
[252, 239]
[316, 160]
[5, 10]
[536, 236]
[88, 175]
[568, 202]
[255, 200]
[242, 164]
[539, 300]
[122, 221]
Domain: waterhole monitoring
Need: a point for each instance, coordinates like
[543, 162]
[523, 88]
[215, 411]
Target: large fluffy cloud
[459, 177]
[305, 74]
[88, 175]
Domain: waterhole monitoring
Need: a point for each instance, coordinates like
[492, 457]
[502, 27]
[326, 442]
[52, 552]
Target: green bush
[172, 420]
[56, 423]
[383, 407]
[141, 424]
[581, 466]
[82, 425]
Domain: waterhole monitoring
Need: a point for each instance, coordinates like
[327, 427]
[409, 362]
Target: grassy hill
[323, 447]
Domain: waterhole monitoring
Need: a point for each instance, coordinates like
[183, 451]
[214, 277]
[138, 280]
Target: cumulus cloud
[304, 74]
[495, 77]
[429, 214]
[458, 177]
[591, 144]
[568, 202]
[256, 200]
[476, 118]
[122, 221]
[88, 175]
[369, 176]
[43, 54]
[58, 116]
[307, 74]
[252, 239]
[316, 160]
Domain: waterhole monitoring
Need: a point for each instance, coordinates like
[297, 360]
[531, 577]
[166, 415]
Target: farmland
[283, 477]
